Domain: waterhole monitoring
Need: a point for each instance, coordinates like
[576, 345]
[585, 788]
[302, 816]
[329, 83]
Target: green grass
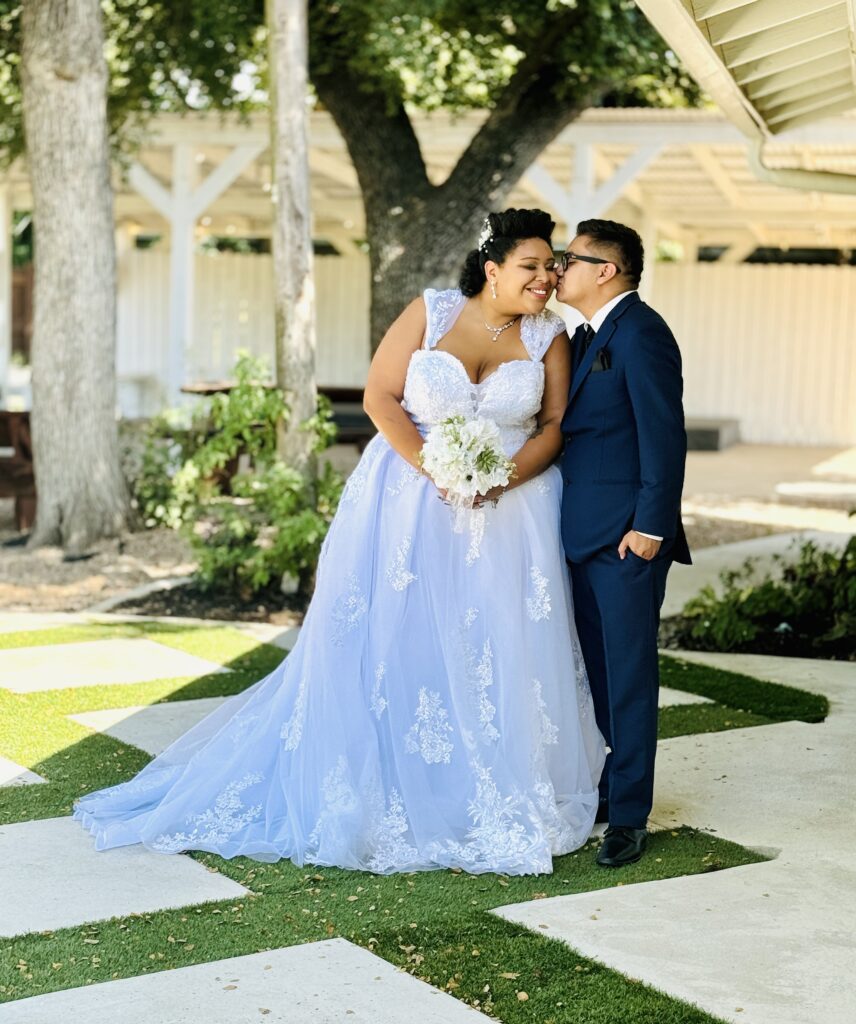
[436, 925]
[772, 701]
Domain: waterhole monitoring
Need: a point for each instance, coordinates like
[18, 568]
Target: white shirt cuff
[649, 535]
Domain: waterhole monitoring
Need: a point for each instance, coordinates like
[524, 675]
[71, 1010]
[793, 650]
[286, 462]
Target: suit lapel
[603, 337]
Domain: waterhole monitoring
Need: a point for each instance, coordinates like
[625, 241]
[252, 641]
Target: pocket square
[601, 361]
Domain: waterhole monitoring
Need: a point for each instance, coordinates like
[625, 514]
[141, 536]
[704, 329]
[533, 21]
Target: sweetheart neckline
[493, 373]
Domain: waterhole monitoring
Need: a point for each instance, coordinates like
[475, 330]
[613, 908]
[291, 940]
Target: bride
[435, 710]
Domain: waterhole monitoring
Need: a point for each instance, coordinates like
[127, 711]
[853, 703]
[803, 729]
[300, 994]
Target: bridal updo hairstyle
[506, 230]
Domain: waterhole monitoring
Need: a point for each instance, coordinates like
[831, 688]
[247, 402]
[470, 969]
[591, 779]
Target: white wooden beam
[144, 182]
[717, 174]
[606, 194]
[761, 16]
[545, 189]
[182, 245]
[737, 252]
[336, 168]
[222, 177]
[5, 286]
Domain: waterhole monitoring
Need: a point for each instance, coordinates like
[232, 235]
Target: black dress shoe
[621, 845]
[602, 813]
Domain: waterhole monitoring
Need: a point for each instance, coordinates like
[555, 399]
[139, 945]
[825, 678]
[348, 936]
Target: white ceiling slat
[835, 80]
[791, 58]
[710, 8]
[808, 72]
[793, 33]
[808, 103]
[811, 116]
[762, 16]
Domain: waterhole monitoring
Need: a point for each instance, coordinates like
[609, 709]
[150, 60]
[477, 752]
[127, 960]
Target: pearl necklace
[496, 331]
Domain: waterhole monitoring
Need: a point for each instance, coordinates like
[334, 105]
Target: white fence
[771, 346]
[233, 308]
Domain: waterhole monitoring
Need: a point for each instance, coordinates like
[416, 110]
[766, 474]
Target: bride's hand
[493, 495]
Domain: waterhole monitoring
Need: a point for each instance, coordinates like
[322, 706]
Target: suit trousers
[617, 609]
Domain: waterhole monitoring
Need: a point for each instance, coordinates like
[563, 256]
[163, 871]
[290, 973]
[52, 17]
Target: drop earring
[493, 288]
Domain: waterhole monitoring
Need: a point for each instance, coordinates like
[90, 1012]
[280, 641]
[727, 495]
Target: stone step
[711, 435]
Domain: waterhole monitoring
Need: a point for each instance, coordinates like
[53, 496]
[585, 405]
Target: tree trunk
[81, 492]
[418, 232]
[294, 292]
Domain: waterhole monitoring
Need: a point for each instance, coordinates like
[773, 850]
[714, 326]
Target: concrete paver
[52, 877]
[12, 774]
[771, 943]
[94, 663]
[326, 982]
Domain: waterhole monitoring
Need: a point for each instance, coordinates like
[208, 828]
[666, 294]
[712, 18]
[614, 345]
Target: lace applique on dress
[547, 733]
[538, 331]
[378, 703]
[408, 475]
[214, 826]
[356, 483]
[428, 735]
[391, 850]
[439, 306]
[340, 800]
[479, 670]
[349, 608]
[292, 730]
[497, 837]
[538, 606]
[398, 575]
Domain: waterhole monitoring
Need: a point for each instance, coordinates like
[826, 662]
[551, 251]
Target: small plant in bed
[255, 525]
[808, 612]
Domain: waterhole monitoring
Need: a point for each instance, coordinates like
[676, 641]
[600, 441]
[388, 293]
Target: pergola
[684, 175]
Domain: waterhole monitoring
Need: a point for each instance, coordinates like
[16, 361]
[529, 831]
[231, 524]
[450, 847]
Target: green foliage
[810, 611]
[160, 56]
[250, 518]
[430, 54]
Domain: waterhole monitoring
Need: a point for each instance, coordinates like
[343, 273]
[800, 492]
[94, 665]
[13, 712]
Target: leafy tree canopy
[428, 54]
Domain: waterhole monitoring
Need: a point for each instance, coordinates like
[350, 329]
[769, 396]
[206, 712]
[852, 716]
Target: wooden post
[182, 223]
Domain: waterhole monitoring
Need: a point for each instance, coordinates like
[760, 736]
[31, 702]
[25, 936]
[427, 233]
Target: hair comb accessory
[486, 234]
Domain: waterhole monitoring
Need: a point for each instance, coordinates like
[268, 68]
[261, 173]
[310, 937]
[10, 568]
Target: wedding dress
[435, 710]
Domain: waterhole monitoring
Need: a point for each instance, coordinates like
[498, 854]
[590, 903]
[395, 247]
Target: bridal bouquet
[465, 458]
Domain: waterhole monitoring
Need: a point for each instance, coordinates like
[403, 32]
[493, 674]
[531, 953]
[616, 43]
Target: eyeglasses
[565, 259]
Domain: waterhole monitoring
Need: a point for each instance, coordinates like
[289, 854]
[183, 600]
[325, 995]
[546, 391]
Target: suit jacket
[625, 442]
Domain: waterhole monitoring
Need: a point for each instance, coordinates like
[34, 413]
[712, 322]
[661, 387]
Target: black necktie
[585, 335]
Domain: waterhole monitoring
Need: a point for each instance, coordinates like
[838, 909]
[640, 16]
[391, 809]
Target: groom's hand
[639, 544]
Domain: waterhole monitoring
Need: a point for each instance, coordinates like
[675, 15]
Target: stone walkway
[320, 983]
[763, 944]
[52, 878]
[771, 943]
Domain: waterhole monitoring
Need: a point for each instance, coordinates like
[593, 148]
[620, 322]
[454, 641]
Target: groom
[623, 469]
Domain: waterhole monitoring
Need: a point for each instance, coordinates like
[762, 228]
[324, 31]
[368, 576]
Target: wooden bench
[17, 479]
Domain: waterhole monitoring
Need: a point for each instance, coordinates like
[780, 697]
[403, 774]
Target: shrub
[251, 520]
[810, 611]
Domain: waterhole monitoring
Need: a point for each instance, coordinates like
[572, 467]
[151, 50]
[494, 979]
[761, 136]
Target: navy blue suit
[623, 468]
